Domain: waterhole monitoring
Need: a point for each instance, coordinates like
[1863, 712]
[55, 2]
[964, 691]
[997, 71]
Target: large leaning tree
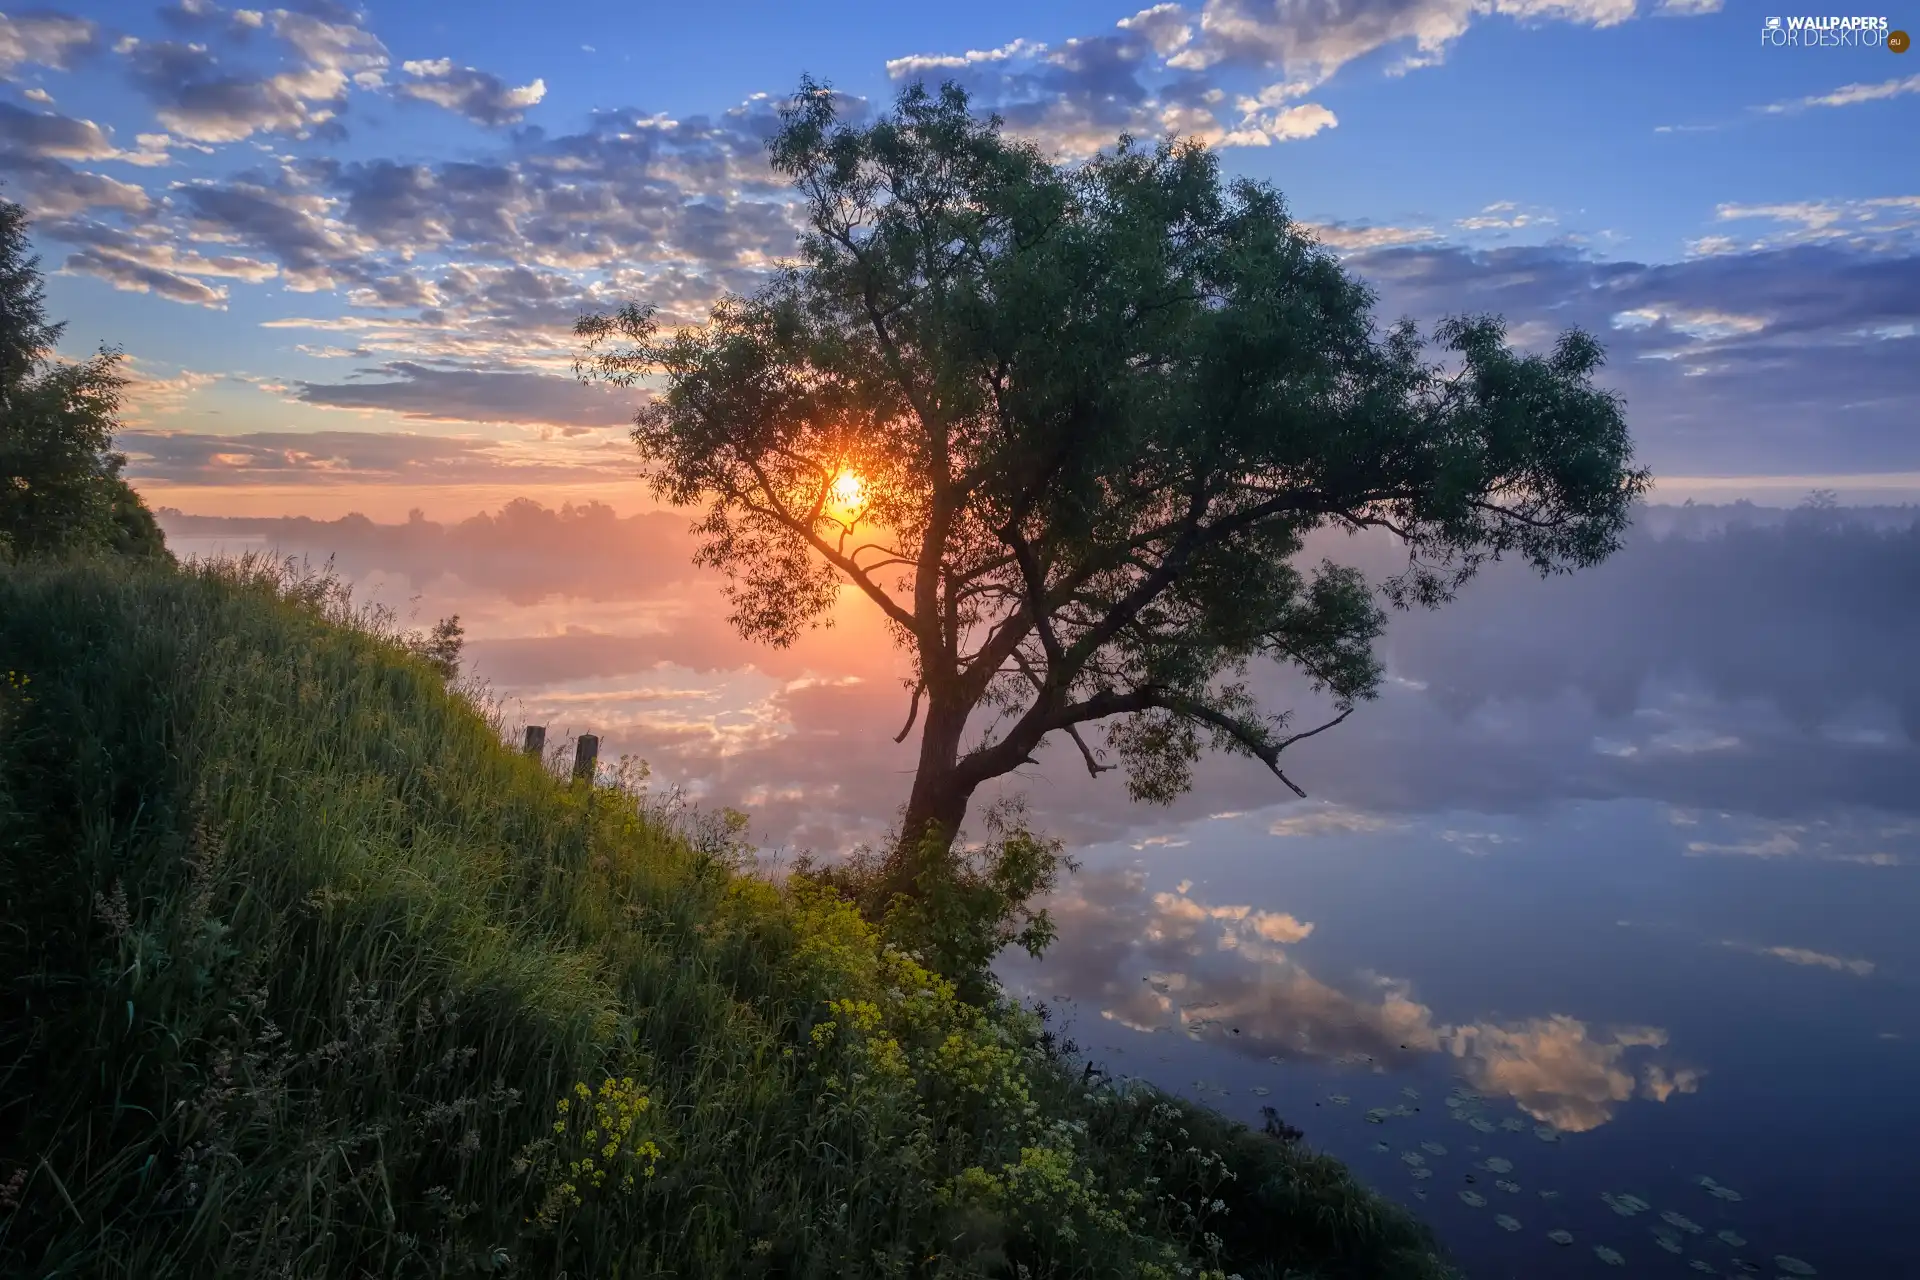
[1067, 427]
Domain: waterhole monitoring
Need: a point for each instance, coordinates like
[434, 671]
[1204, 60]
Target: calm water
[1670, 1010]
[1632, 856]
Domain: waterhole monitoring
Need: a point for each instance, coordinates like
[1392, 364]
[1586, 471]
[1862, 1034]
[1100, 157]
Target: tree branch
[1256, 743]
[913, 712]
[776, 511]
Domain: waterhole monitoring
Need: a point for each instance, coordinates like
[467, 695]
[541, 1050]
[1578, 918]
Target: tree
[60, 483]
[1067, 427]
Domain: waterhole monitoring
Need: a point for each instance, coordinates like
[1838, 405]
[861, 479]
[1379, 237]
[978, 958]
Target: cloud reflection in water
[1171, 963]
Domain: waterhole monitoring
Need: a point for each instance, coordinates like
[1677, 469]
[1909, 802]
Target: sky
[342, 248]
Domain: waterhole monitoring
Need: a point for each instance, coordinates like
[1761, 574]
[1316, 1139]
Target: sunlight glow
[849, 492]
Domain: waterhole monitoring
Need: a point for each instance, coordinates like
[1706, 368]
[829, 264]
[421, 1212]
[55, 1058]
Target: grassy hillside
[306, 975]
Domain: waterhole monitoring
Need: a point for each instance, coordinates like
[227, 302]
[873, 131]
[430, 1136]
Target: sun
[849, 492]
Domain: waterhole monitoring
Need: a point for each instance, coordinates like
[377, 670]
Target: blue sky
[343, 246]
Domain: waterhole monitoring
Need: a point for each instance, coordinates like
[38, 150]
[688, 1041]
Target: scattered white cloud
[46, 39]
[1848, 96]
[1322, 820]
[1503, 215]
[1809, 958]
[482, 98]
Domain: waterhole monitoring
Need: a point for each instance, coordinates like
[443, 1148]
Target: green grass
[300, 963]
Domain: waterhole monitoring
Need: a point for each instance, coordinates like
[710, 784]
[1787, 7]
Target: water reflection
[1171, 962]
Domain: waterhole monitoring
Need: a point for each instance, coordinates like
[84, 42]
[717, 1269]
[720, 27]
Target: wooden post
[536, 743]
[586, 754]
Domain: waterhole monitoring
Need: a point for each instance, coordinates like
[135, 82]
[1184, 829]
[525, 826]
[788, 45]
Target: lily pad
[1669, 1244]
[1473, 1198]
[1412, 1157]
[1546, 1133]
[1381, 1148]
[1793, 1266]
[1506, 1186]
[1423, 1172]
[1625, 1206]
[1700, 1265]
[1261, 1091]
[1712, 1188]
[1560, 1236]
[1433, 1148]
[1609, 1256]
[1733, 1238]
[1513, 1124]
[1339, 1099]
[1681, 1221]
[1549, 1195]
[1498, 1164]
[1418, 1194]
[1506, 1223]
[1401, 1110]
[1410, 1092]
[1484, 1126]
[1378, 1115]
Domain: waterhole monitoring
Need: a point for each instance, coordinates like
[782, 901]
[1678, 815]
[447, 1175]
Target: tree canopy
[1067, 427]
[60, 483]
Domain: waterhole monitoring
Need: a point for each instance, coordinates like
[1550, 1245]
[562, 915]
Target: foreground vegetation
[305, 974]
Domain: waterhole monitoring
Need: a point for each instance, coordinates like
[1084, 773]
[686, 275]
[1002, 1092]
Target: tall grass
[305, 974]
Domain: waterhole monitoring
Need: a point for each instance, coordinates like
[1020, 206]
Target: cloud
[425, 393]
[133, 276]
[1502, 215]
[138, 265]
[197, 98]
[1811, 959]
[48, 134]
[360, 457]
[288, 221]
[1292, 123]
[49, 39]
[1707, 397]
[1849, 96]
[1075, 97]
[1347, 238]
[1562, 1073]
[1880, 223]
[54, 189]
[1315, 38]
[1321, 819]
[482, 98]
[147, 395]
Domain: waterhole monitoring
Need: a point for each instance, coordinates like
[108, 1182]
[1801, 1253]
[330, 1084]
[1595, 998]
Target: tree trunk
[938, 803]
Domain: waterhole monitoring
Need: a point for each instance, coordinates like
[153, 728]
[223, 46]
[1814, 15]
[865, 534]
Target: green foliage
[953, 904]
[1095, 410]
[301, 962]
[60, 485]
[441, 646]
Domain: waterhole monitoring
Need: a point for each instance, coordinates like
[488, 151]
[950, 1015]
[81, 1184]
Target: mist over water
[1632, 856]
